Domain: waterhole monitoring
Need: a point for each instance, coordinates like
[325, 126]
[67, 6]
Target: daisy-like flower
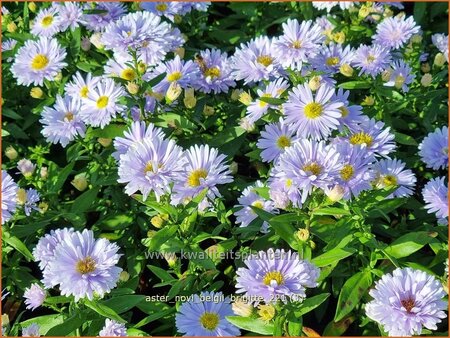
[70, 14]
[328, 5]
[372, 60]
[111, 11]
[283, 191]
[258, 108]
[406, 301]
[198, 6]
[151, 166]
[37, 61]
[31, 331]
[435, 195]
[80, 87]
[135, 134]
[47, 22]
[256, 61]
[298, 43]
[309, 164]
[205, 168]
[34, 296]
[378, 141]
[275, 138]
[8, 44]
[395, 32]
[44, 252]
[9, 196]
[102, 104]
[83, 265]
[167, 9]
[434, 149]
[249, 198]
[390, 173]
[441, 43]
[276, 275]
[330, 58]
[32, 197]
[313, 116]
[121, 66]
[204, 315]
[351, 114]
[214, 72]
[26, 167]
[62, 123]
[400, 76]
[113, 329]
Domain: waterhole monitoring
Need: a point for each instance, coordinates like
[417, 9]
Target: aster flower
[283, 191]
[351, 114]
[26, 167]
[34, 296]
[102, 104]
[83, 265]
[391, 173]
[372, 60]
[250, 197]
[204, 315]
[9, 196]
[167, 9]
[198, 6]
[298, 43]
[80, 87]
[98, 22]
[275, 275]
[435, 195]
[313, 116]
[150, 166]
[44, 252]
[258, 108]
[275, 138]
[328, 5]
[32, 198]
[31, 331]
[37, 61]
[406, 301]
[441, 43]
[330, 58]
[62, 123]
[47, 22]
[121, 66]
[214, 72]
[309, 164]
[256, 61]
[205, 168]
[395, 32]
[70, 14]
[8, 44]
[113, 329]
[434, 149]
[135, 134]
[378, 141]
[400, 76]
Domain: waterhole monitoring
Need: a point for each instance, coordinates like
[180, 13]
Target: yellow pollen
[129, 33]
[84, 91]
[288, 183]
[262, 103]
[273, 276]
[344, 111]
[86, 265]
[161, 7]
[69, 116]
[102, 102]
[258, 204]
[209, 320]
[283, 141]
[39, 62]
[212, 72]
[175, 76]
[47, 20]
[313, 110]
[389, 181]
[370, 59]
[361, 138]
[296, 44]
[128, 74]
[399, 81]
[332, 61]
[313, 167]
[347, 172]
[408, 304]
[195, 176]
[265, 60]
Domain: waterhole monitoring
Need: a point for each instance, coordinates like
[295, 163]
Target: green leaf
[254, 325]
[124, 303]
[310, 304]
[332, 256]
[110, 131]
[161, 273]
[405, 139]
[84, 201]
[355, 85]
[408, 244]
[68, 326]
[272, 100]
[45, 322]
[160, 237]
[351, 293]
[19, 246]
[104, 311]
[287, 232]
[60, 177]
[338, 328]
[332, 211]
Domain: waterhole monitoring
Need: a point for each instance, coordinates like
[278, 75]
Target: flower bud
[44, 172]
[11, 153]
[439, 60]
[189, 98]
[5, 320]
[346, 70]
[242, 308]
[105, 142]
[21, 196]
[158, 221]
[245, 98]
[171, 258]
[244, 123]
[180, 51]
[80, 182]
[36, 93]
[142, 67]
[11, 27]
[124, 276]
[173, 92]
[133, 88]
[388, 13]
[302, 234]
[312, 245]
[234, 168]
[96, 40]
[416, 38]
[368, 101]
[425, 67]
[151, 233]
[208, 111]
[26, 167]
[315, 82]
[386, 74]
[339, 37]
[364, 11]
[43, 207]
[32, 7]
[85, 44]
[235, 94]
[336, 193]
[266, 312]
[58, 77]
[426, 80]
[177, 19]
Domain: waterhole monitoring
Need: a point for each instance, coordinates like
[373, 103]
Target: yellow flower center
[266, 312]
[273, 276]
[47, 20]
[84, 91]
[128, 74]
[332, 61]
[262, 103]
[212, 72]
[69, 116]
[195, 176]
[258, 204]
[86, 265]
[265, 60]
[389, 180]
[344, 111]
[313, 110]
[39, 62]
[313, 167]
[399, 81]
[102, 102]
[296, 44]
[361, 138]
[149, 167]
[161, 7]
[21, 196]
[370, 59]
[288, 183]
[408, 304]
[283, 141]
[347, 172]
[209, 320]
[175, 76]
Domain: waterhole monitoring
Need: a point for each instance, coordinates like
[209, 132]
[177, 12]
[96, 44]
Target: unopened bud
[43, 207]
[11, 153]
[36, 93]
[336, 193]
[151, 233]
[439, 60]
[171, 258]
[426, 80]
[386, 74]
[26, 167]
[173, 92]
[368, 101]
[44, 172]
[388, 13]
[312, 245]
[425, 67]
[302, 234]
[158, 221]
[32, 7]
[247, 125]
[208, 110]
[266, 312]
[21, 196]
[80, 182]
[234, 168]
[242, 308]
[58, 77]
[189, 98]
[245, 98]
[105, 142]
[364, 11]
[177, 19]
[11, 27]
[142, 67]
[346, 70]
[235, 94]
[96, 40]
[315, 82]
[133, 88]
[85, 44]
[180, 51]
[124, 276]
[339, 37]
[416, 38]
[5, 320]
